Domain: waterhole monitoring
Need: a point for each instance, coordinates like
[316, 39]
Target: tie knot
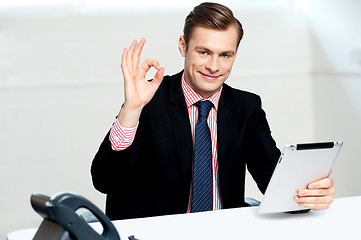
[204, 108]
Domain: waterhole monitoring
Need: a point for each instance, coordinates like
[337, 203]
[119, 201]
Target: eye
[203, 53]
[225, 55]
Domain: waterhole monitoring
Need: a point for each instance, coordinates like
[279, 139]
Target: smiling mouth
[209, 77]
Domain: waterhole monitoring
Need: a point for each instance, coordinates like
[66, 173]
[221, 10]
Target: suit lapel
[179, 118]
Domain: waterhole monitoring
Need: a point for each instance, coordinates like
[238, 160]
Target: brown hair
[212, 16]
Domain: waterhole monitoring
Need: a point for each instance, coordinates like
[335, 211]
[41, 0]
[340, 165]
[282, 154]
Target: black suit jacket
[153, 176]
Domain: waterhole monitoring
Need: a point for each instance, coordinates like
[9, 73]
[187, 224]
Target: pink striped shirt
[191, 98]
[121, 138]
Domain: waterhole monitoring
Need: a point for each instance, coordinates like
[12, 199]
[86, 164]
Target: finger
[315, 207]
[147, 64]
[138, 51]
[130, 56]
[124, 65]
[158, 77]
[315, 200]
[323, 183]
[316, 192]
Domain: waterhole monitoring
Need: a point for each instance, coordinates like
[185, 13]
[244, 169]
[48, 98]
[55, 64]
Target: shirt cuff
[122, 137]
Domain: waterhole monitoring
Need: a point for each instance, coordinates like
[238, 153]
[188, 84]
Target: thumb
[158, 77]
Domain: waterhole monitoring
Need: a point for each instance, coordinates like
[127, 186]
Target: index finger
[148, 63]
[321, 184]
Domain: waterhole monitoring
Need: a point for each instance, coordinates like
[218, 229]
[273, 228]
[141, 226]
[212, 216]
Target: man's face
[208, 58]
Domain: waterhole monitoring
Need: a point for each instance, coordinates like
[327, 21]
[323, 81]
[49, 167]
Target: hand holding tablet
[318, 195]
[302, 170]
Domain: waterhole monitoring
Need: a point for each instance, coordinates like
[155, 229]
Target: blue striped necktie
[202, 193]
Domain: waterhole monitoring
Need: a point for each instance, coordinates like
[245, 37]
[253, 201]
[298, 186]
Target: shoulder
[239, 93]
[240, 98]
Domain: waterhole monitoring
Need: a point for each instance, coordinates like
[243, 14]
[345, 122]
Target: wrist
[128, 117]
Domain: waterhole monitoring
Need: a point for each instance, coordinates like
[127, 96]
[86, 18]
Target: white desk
[338, 222]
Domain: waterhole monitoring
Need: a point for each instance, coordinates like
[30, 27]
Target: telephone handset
[61, 222]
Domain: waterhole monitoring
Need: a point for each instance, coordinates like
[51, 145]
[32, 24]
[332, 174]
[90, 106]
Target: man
[149, 162]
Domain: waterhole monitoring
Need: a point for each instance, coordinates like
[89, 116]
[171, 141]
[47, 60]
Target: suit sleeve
[109, 167]
[263, 154]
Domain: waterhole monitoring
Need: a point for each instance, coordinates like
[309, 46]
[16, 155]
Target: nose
[212, 64]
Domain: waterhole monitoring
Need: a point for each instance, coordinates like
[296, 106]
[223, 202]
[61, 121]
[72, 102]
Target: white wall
[336, 73]
[61, 87]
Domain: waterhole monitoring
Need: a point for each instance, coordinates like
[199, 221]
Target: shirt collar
[192, 96]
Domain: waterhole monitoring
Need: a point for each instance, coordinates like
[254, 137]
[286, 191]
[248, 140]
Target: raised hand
[137, 90]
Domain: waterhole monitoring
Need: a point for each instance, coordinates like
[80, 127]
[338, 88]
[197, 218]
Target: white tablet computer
[298, 165]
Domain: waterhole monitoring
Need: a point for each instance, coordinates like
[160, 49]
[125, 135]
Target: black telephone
[61, 222]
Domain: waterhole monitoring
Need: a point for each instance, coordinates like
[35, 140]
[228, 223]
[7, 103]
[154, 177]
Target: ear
[182, 46]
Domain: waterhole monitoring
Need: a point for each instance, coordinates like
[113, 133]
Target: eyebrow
[200, 48]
